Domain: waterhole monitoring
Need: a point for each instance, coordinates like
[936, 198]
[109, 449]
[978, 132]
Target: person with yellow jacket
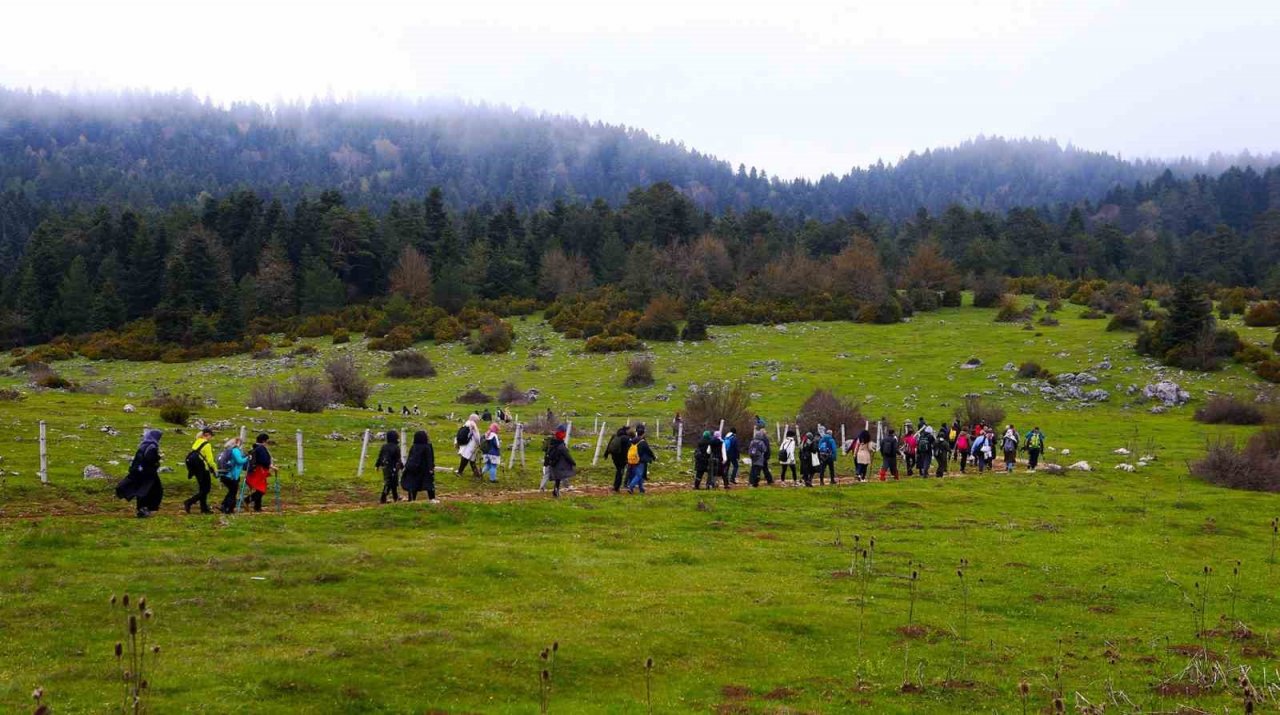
[201, 465]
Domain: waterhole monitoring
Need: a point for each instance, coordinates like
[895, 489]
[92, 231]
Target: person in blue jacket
[231, 464]
[827, 454]
[732, 455]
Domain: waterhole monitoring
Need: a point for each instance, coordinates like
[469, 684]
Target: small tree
[639, 372]
[411, 278]
[824, 407]
[346, 382]
[728, 401]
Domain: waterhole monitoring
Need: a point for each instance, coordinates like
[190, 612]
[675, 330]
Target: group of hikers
[717, 457]
[922, 448]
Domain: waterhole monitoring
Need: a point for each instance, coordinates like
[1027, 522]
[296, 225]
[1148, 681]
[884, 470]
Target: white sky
[797, 88]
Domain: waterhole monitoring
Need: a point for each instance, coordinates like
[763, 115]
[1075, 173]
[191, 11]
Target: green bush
[1263, 315]
[1251, 354]
[1126, 318]
[410, 363]
[341, 336]
[950, 299]
[175, 412]
[448, 329]
[493, 337]
[400, 338]
[612, 343]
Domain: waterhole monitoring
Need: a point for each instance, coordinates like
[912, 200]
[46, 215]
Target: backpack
[195, 463]
[224, 460]
[463, 436]
[924, 443]
[615, 447]
[1035, 441]
[633, 454]
[1010, 444]
[756, 450]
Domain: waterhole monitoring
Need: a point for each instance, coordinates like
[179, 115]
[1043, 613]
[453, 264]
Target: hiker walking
[1035, 446]
[639, 457]
[558, 461]
[261, 469]
[201, 466]
[231, 465]
[925, 440]
[1009, 445]
[941, 451]
[389, 462]
[492, 450]
[758, 451]
[732, 455]
[468, 441]
[861, 456]
[420, 468]
[962, 448]
[827, 450]
[909, 447]
[787, 456]
[142, 484]
[809, 459]
[617, 451]
[701, 458]
[715, 468]
[889, 447]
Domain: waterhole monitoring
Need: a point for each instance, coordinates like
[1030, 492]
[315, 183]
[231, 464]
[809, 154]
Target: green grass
[743, 598]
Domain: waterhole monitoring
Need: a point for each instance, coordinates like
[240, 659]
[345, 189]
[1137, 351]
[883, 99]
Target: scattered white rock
[1010, 367]
[1081, 466]
[1066, 452]
[129, 409]
[92, 472]
[1121, 450]
[1123, 467]
[1169, 393]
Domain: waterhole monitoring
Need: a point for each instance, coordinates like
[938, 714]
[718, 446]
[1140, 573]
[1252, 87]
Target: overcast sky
[794, 87]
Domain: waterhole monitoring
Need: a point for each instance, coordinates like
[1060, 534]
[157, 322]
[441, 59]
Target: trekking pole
[276, 488]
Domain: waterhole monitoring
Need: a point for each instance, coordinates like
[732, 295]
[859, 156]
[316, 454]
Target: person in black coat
[389, 463]
[143, 482]
[701, 459]
[617, 451]
[558, 460]
[420, 468]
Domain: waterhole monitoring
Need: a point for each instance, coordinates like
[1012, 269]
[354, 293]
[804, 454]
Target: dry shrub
[1255, 468]
[346, 382]
[715, 401]
[1268, 370]
[341, 336]
[96, 387]
[1229, 411]
[8, 394]
[1010, 313]
[305, 393]
[305, 351]
[1031, 370]
[399, 338]
[988, 291]
[494, 336]
[974, 410]
[1263, 315]
[1049, 321]
[44, 376]
[474, 397]
[410, 363]
[263, 354]
[639, 372]
[1093, 314]
[509, 394]
[175, 413]
[826, 408]
[1127, 317]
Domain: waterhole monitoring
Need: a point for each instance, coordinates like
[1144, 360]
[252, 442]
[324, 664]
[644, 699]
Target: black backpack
[195, 462]
[463, 436]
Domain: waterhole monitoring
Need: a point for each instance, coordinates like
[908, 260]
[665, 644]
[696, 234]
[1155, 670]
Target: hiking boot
[186, 506]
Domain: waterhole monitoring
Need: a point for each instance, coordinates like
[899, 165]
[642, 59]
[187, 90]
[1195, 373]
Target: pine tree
[75, 296]
[109, 310]
[612, 258]
[1190, 315]
[276, 293]
[319, 290]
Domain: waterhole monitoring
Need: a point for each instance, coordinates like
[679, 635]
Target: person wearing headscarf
[558, 461]
[468, 441]
[808, 458]
[142, 485]
[715, 464]
[262, 470]
[390, 464]
[787, 456]
[420, 468]
[861, 456]
[492, 450]
[701, 458]
[236, 461]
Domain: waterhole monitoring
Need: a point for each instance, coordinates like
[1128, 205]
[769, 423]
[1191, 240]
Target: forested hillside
[146, 150]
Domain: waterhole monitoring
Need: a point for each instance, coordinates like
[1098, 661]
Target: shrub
[1256, 467]
[824, 407]
[448, 330]
[1010, 312]
[639, 372]
[988, 291]
[1251, 354]
[494, 336]
[341, 336]
[922, 300]
[974, 410]
[1268, 370]
[474, 397]
[44, 376]
[696, 328]
[659, 319]
[399, 338]
[509, 394]
[346, 383]
[1127, 317]
[1053, 306]
[410, 363]
[950, 299]
[1263, 315]
[728, 401]
[1093, 314]
[305, 393]
[305, 351]
[264, 354]
[1275, 344]
[8, 394]
[1229, 411]
[1049, 321]
[612, 343]
[887, 312]
[1032, 371]
[175, 412]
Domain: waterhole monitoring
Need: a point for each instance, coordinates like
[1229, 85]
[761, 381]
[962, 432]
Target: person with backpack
[701, 458]
[1009, 445]
[909, 447]
[389, 462]
[617, 451]
[142, 484]
[732, 455]
[758, 452]
[925, 440]
[1034, 446]
[962, 448]
[468, 442]
[827, 451]
[787, 456]
[201, 466]
[983, 450]
[558, 461]
[486, 415]
[262, 468]
[941, 451]
[715, 475]
[861, 456]
[492, 450]
[420, 468]
[639, 457]
[231, 464]
[889, 447]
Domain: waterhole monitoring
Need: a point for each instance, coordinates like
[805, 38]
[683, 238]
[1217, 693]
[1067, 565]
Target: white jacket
[468, 450]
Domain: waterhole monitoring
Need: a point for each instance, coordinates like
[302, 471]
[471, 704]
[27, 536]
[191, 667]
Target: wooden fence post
[44, 453]
[364, 454]
[599, 440]
[242, 431]
[515, 445]
[299, 436]
[679, 441]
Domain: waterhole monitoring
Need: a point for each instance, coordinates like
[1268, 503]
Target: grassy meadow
[1091, 586]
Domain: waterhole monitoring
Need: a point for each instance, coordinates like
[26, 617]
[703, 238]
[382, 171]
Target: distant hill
[163, 149]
